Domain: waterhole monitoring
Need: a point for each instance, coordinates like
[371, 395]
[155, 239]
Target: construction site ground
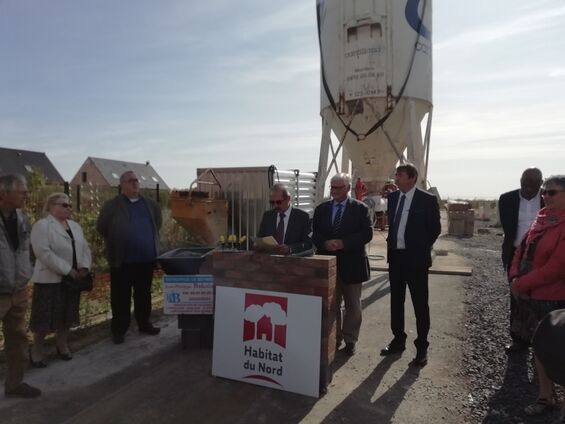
[152, 379]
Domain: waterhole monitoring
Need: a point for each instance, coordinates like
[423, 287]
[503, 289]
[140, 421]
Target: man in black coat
[342, 228]
[414, 226]
[518, 209]
[289, 226]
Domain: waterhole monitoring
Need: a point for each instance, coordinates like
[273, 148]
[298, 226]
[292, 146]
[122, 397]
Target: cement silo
[376, 88]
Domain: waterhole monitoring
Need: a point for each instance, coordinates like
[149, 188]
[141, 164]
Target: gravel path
[499, 385]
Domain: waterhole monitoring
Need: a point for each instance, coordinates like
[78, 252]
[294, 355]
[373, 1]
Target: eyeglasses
[550, 193]
[276, 202]
[65, 205]
[131, 180]
[337, 187]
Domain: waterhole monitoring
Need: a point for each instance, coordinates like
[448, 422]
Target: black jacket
[297, 236]
[508, 209]
[423, 226]
[355, 231]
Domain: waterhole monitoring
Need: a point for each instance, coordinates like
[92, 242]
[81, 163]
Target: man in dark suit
[518, 209]
[342, 228]
[414, 226]
[289, 226]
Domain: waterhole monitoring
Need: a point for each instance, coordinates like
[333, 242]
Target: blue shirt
[140, 245]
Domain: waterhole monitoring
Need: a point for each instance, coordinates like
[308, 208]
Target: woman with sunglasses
[60, 249]
[538, 275]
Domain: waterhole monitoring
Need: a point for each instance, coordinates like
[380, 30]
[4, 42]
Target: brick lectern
[314, 276]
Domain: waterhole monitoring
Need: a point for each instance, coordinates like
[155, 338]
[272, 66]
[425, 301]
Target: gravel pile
[499, 385]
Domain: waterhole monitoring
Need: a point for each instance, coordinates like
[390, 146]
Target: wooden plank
[438, 270]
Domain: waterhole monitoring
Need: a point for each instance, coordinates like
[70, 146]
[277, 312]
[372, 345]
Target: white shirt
[286, 218]
[526, 215]
[400, 243]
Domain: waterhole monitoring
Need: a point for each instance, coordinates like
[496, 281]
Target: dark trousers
[520, 316]
[139, 277]
[401, 274]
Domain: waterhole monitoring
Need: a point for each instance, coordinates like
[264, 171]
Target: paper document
[268, 241]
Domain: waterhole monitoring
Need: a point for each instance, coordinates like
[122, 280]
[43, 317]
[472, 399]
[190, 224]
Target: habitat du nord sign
[268, 338]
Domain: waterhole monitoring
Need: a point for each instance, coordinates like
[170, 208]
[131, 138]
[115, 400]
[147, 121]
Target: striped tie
[337, 218]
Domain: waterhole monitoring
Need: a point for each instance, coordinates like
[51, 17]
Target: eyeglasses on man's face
[550, 193]
[131, 180]
[276, 202]
[335, 187]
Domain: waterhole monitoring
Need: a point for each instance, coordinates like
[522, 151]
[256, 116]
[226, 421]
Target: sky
[195, 84]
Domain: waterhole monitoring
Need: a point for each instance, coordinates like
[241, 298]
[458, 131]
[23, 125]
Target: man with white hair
[15, 273]
[342, 228]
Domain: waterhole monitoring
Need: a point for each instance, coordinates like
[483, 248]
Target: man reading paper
[289, 226]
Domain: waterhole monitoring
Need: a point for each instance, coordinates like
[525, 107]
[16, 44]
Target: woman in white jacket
[60, 249]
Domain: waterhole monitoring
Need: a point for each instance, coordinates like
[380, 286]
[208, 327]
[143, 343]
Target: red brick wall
[315, 276]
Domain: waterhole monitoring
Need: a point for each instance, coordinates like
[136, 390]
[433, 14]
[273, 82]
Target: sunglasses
[276, 202]
[65, 205]
[550, 193]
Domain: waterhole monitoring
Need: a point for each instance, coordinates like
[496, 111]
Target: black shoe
[421, 359]
[516, 347]
[36, 364]
[65, 356]
[150, 329]
[392, 349]
[118, 338]
[349, 349]
[23, 390]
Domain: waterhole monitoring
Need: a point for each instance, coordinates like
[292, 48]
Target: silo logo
[413, 18]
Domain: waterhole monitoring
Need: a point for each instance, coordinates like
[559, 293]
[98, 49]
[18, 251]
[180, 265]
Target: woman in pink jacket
[538, 272]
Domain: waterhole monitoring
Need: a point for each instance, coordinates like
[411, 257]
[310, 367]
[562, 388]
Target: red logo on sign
[265, 318]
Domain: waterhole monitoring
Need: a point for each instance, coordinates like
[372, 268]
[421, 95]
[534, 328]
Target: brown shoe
[23, 390]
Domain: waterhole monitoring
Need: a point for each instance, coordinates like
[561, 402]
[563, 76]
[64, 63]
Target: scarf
[545, 220]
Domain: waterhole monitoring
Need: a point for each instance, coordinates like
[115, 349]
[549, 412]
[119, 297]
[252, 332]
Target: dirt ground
[151, 379]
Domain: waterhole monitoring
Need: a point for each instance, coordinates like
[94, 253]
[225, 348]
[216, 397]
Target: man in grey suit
[342, 228]
[289, 226]
[414, 226]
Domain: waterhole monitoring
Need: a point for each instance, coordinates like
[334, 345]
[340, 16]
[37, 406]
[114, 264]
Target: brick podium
[314, 276]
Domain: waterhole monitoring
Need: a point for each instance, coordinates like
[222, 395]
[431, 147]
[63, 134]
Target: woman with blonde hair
[60, 250]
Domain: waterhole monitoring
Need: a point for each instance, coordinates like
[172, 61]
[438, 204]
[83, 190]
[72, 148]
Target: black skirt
[53, 308]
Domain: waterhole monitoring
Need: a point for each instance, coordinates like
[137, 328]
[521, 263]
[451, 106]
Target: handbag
[85, 283]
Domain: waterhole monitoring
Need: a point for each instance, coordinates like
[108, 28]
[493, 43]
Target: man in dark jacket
[288, 225]
[342, 228]
[414, 226]
[130, 225]
[518, 209]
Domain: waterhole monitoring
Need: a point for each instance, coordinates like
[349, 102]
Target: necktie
[337, 218]
[393, 235]
[279, 232]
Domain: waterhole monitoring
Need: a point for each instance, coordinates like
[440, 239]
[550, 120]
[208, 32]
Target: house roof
[112, 169]
[17, 161]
